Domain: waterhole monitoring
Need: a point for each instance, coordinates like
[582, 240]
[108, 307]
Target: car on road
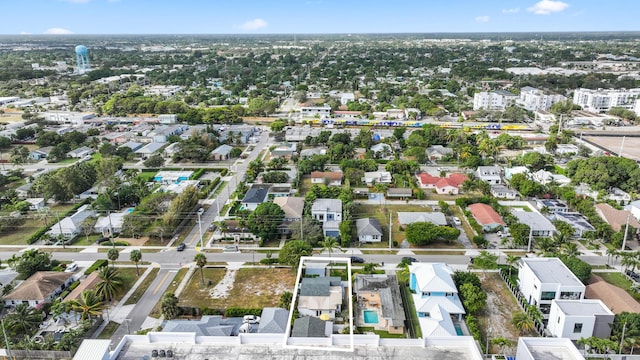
[251, 319]
[457, 221]
[71, 268]
[409, 259]
[357, 260]
[181, 247]
[211, 227]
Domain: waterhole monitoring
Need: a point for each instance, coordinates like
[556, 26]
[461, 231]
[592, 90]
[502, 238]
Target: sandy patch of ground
[496, 319]
[223, 288]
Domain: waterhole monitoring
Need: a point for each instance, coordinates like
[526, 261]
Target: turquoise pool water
[370, 317]
[458, 329]
[130, 210]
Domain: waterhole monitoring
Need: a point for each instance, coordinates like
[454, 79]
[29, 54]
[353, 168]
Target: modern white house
[489, 174]
[329, 213]
[377, 177]
[542, 280]
[540, 348]
[503, 192]
[576, 319]
[634, 208]
[436, 298]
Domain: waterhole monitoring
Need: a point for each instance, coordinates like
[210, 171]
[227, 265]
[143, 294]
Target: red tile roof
[457, 179]
[428, 179]
[485, 215]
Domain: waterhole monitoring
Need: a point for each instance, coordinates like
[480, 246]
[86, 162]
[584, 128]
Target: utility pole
[390, 226]
[301, 230]
[200, 224]
[621, 146]
[626, 230]
[6, 341]
[113, 244]
[60, 229]
[530, 239]
[624, 329]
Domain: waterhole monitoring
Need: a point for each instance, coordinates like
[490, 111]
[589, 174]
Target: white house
[545, 177]
[436, 298]
[576, 319]
[369, 230]
[377, 177]
[256, 195]
[320, 296]
[382, 151]
[69, 227]
[172, 177]
[489, 174]
[329, 178]
[110, 224]
[35, 203]
[542, 280]
[509, 172]
[39, 288]
[311, 111]
[329, 213]
[503, 192]
[634, 208]
[80, 152]
[539, 225]
[539, 348]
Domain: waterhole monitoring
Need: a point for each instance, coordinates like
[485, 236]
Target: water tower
[82, 59]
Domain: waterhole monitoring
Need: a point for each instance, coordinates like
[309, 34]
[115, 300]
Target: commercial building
[494, 100]
[602, 100]
[533, 99]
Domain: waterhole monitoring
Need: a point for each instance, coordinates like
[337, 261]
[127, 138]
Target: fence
[522, 302]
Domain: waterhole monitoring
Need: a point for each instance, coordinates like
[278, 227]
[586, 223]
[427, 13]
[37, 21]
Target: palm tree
[559, 238]
[110, 283]
[612, 253]
[113, 255]
[136, 256]
[89, 305]
[201, 261]
[169, 306]
[24, 319]
[570, 249]
[511, 260]
[545, 245]
[522, 322]
[329, 244]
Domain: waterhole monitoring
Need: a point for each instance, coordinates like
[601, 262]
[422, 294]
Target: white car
[251, 319]
[457, 221]
[71, 268]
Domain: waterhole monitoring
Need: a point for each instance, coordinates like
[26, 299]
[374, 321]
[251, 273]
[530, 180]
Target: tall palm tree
[522, 322]
[329, 244]
[89, 305]
[113, 255]
[511, 260]
[24, 319]
[110, 283]
[135, 256]
[201, 261]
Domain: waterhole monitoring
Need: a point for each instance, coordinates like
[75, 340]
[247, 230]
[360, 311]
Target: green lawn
[140, 290]
[147, 176]
[383, 334]
[20, 234]
[616, 279]
[129, 277]
[410, 308]
[108, 331]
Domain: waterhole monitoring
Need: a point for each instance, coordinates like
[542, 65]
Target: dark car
[102, 239]
[357, 260]
[181, 247]
[409, 259]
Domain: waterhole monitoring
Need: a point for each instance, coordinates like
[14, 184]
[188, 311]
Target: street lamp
[200, 211]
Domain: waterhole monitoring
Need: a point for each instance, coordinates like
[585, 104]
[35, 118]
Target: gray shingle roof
[257, 194]
[273, 321]
[319, 286]
[308, 326]
[368, 226]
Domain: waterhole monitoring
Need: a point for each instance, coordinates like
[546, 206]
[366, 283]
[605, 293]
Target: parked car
[409, 259]
[211, 227]
[181, 247]
[71, 268]
[357, 260]
[102, 239]
[251, 319]
[457, 221]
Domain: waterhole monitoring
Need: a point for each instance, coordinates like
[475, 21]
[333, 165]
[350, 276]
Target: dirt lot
[497, 315]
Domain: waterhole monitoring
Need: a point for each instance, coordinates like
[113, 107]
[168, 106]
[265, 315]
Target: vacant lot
[381, 212]
[19, 235]
[496, 318]
[251, 288]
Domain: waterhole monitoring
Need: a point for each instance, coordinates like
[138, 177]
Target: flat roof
[552, 270]
[583, 307]
[549, 349]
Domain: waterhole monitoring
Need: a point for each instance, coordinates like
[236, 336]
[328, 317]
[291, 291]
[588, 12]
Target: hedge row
[267, 261]
[43, 230]
[97, 265]
[239, 312]
[196, 175]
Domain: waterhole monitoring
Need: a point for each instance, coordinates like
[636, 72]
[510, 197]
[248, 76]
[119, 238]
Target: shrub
[116, 243]
[271, 261]
[239, 312]
[37, 235]
[209, 311]
[472, 325]
[480, 241]
[96, 265]
[196, 175]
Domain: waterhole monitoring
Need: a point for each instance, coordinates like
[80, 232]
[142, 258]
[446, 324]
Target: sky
[314, 16]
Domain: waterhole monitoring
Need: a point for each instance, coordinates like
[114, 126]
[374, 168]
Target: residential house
[293, 208]
[566, 149]
[134, 146]
[369, 230]
[504, 192]
[578, 222]
[35, 204]
[309, 326]
[41, 287]
[427, 181]
[406, 218]
[256, 195]
[178, 188]
[618, 195]
[489, 174]
[329, 213]
[436, 299]
[451, 184]
[542, 280]
[87, 284]
[486, 217]
[70, 226]
[172, 177]
[577, 319]
[284, 150]
[545, 177]
[617, 219]
[232, 231]
[382, 151]
[539, 225]
[541, 348]
[329, 178]
[399, 193]
[112, 223]
[41, 153]
[80, 152]
[552, 206]
[149, 149]
[222, 152]
[24, 191]
[273, 321]
[437, 152]
[380, 293]
[377, 177]
[509, 172]
[209, 325]
[320, 297]
[306, 153]
[171, 149]
[633, 207]
[312, 111]
[279, 190]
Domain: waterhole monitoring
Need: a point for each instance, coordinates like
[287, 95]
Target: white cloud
[58, 31]
[511, 11]
[254, 24]
[546, 7]
[25, 33]
[482, 19]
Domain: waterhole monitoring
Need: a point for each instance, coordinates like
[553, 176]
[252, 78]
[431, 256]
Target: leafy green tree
[277, 125]
[136, 255]
[292, 251]
[201, 261]
[520, 233]
[265, 219]
[579, 268]
[275, 177]
[154, 161]
[329, 244]
[310, 231]
[31, 261]
[285, 300]
[110, 283]
[486, 260]
[473, 298]
[169, 306]
[421, 233]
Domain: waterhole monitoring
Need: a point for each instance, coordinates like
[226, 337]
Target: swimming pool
[130, 210]
[458, 329]
[370, 317]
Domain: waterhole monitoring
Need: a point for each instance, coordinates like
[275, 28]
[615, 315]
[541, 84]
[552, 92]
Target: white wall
[560, 325]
